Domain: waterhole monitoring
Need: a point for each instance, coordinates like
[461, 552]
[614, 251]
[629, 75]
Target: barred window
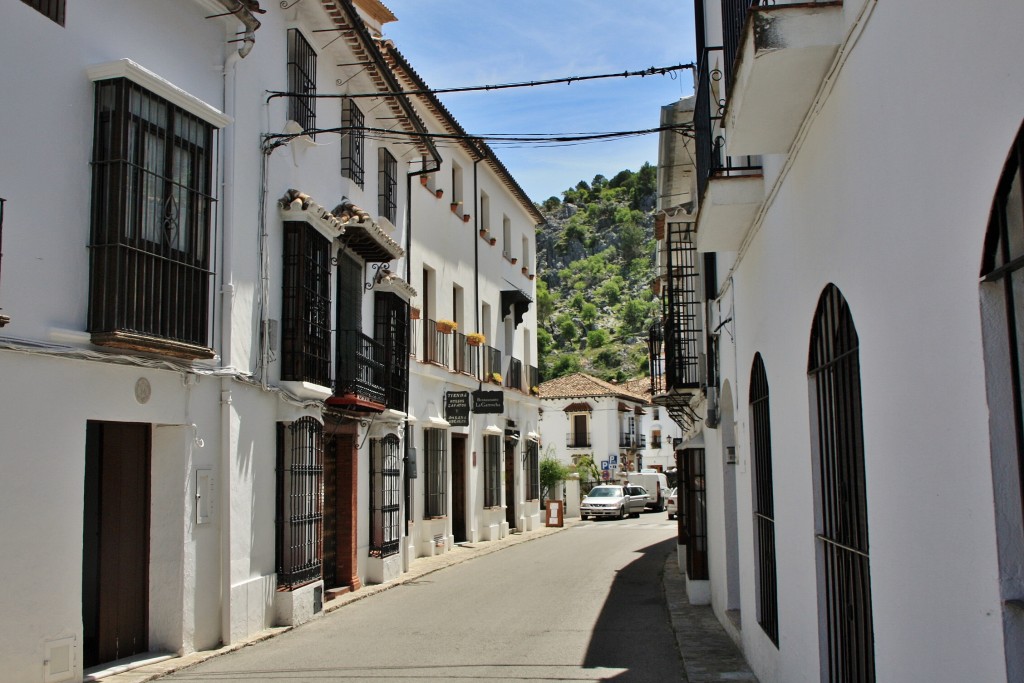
[834, 371]
[391, 328]
[764, 501]
[52, 9]
[300, 503]
[387, 185]
[532, 470]
[492, 471]
[301, 81]
[384, 496]
[151, 217]
[435, 489]
[352, 139]
[306, 316]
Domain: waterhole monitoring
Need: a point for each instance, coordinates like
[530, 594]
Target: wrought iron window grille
[834, 371]
[387, 184]
[300, 471]
[151, 219]
[492, 471]
[385, 496]
[532, 462]
[51, 9]
[435, 491]
[301, 81]
[764, 502]
[352, 141]
[306, 310]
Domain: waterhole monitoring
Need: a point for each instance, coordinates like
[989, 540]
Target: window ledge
[133, 341]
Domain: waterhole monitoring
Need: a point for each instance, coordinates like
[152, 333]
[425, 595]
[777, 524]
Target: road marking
[628, 525]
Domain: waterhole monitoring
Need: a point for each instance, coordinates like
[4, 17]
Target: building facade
[838, 339]
[225, 334]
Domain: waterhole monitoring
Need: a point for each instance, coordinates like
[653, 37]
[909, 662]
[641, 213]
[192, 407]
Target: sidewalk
[706, 650]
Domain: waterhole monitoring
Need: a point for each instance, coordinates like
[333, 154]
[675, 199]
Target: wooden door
[115, 548]
[459, 488]
[331, 512]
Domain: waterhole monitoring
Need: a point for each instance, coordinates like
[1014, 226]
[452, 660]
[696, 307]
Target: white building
[206, 379]
[849, 382]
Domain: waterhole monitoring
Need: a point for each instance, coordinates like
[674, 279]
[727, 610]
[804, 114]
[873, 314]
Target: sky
[453, 43]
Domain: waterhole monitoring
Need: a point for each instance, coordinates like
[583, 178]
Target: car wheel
[671, 516]
[622, 512]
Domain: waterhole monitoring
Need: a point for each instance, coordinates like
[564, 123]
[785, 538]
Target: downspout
[476, 244]
[228, 442]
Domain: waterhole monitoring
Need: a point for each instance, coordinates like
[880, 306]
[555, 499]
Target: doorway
[510, 485]
[339, 564]
[459, 488]
[115, 542]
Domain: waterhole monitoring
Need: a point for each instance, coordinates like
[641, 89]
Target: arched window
[834, 371]
[764, 501]
[1002, 315]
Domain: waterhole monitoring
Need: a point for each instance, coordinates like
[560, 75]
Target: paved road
[582, 605]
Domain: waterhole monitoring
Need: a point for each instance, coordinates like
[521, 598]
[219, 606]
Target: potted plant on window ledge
[445, 326]
[495, 377]
[476, 339]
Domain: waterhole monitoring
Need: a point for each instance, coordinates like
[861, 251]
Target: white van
[656, 484]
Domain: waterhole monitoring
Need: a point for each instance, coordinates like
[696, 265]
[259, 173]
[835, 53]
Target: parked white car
[612, 500]
[672, 504]
[656, 485]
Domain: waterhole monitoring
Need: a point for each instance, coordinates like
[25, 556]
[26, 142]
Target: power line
[651, 71]
[493, 139]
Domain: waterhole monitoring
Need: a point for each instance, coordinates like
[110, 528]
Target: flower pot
[483, 233]
[455, 207]
[438, 193]
[531, 276]
[414, 314]
[514, 260]
[444, 326]
[465, 218]
[424, 180]
[493, 241]
[525, 270]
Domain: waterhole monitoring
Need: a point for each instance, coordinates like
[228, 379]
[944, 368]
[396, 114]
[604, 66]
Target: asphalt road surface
[585, 604]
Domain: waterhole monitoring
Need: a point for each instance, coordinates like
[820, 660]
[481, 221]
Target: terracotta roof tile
[582, 385]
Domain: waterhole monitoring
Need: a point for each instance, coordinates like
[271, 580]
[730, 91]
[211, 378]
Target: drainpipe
[228, 442]
[476, 244]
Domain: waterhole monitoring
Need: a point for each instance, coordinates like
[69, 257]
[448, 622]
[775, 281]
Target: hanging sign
[488, 401]
[456, 408]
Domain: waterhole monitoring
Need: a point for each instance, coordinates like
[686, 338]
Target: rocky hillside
[595, 261]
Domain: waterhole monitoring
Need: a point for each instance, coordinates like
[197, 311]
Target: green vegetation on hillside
[596, 263]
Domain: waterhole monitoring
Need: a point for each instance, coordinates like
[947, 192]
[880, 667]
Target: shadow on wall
[636, 605]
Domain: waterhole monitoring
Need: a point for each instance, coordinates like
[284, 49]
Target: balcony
[730, 188]
[632, 441]
[655, 442]
[784, 53]
[436, 345]
[361, 372]
[467, 358]
[577, 439]
[514, 377]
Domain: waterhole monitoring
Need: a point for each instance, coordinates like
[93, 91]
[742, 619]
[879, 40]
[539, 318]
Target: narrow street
[582, 605]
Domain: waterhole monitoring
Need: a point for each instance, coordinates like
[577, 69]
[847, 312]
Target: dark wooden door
[331, 512]
[510, 484]
[115, 548]
[459, 488]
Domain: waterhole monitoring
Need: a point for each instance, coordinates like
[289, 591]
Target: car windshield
[606, 492]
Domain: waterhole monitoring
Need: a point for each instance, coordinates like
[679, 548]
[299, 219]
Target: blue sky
[455, 43]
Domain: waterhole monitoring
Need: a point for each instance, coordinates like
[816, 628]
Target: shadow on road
[633, 631]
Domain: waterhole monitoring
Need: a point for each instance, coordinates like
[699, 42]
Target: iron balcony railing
[674, 342]
[436, 345]
[641, 440]
[577, 439]
[734, 15]
[655, 442]
[492, 361]
[709, 136]
[467, 358]
[532, 377]
[361, 367]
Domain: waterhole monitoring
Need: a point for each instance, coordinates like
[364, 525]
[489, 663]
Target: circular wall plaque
[142, 390]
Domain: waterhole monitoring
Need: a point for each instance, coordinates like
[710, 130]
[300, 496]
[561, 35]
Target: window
[435, 490]
[532, 470]
[485, 212]
[456, 184]
[492, 471]
[52, 9]
[834, 371]
[301, 81]
[300, 479]
[506, 237]
[391, 329]
[352, 140]
[151, 220]
[306, 315]
[764, 502]
[387, 185]
[693, 504]
[384, 496]
[579, 435]
[1002, 313]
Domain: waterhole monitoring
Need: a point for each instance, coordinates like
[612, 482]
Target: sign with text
[456, 408]
[488, 401]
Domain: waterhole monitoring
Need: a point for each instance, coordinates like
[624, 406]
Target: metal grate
[436, 345]
[492, 471]
[52, 9]
[764, 502]
[435, 491]
[300, 502]
[681, 310]
[834, 371]
[514, 377]
[301, 81]
[391, 329]
[361, 369]
[387, 184]
[467, 357]
[693, 503]
[734, 15]
[352, 140]
[385, 497]
[306, 317]
[151, 217]
[1002, 264]
[532, 470]
[492, 361]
